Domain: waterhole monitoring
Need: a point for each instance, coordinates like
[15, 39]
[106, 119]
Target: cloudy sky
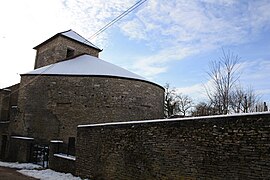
[165, 41]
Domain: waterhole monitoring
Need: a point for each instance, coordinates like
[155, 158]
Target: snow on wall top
[73, 35]
[174, 119]
[85, 65]
[65, 156]
[22, 137]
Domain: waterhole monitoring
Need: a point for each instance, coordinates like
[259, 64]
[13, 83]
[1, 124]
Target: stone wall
[60, 162]
[8, 102]
[4, 104]
[63, 163]
[20, 149]
[8, 99]
[221, 147]
[4, 139]
[52, 106]
[56, 49]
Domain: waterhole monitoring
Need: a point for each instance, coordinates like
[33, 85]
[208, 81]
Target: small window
[71, 145]
[70, 52]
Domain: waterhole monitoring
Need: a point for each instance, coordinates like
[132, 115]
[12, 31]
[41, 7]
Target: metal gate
[40, 155]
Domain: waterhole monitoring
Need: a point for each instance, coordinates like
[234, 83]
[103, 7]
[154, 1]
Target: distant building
[69, 86]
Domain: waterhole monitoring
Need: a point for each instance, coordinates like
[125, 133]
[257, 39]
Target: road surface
[12, 174]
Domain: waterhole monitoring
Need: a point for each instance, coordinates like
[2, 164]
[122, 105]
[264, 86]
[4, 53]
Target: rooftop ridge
[82, 40]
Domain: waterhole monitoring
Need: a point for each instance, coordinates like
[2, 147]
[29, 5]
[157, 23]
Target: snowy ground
[20, 165]
[48, 174]
[36, 171]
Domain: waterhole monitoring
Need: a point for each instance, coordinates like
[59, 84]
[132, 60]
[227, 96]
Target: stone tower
[61, 46]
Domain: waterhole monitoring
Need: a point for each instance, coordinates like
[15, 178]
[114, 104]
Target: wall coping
[4, 122]
[6, 90]
[56, 141]
[22, 137]
[65, 156]
[174, 119]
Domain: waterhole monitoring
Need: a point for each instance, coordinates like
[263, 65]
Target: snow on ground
[48, 174]
[20, 165]
[36, 171]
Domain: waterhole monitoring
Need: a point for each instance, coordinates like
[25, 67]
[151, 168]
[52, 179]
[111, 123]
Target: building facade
[69, 86]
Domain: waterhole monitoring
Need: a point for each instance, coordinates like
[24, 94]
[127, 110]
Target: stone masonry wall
[4, 133]
[4, 104]
[221, 147]
[56, 50]
[52, 106]
[8, 98]
[20, 150]
[60, 163]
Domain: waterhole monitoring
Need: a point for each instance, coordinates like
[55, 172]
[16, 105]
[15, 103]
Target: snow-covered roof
[72, 35]
[85, 65]
[75, 36]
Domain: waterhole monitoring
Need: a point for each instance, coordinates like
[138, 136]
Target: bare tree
[223, 76]
[202, 109]
[244, 101]
[170, 101]
[261, 106]
[184, 104]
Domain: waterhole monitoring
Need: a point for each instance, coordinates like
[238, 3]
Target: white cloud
[133, 29]
[253, 74]
[91, 15]
[25, 24]
[152, 65]
[256, 74]
[196, 92]
[196, 25]
[175, 29]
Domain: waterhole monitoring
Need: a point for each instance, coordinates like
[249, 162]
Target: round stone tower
[83, 89]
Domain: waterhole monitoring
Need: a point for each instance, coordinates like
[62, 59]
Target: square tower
[64, 45]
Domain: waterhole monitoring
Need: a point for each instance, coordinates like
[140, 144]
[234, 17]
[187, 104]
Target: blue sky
[164, 41]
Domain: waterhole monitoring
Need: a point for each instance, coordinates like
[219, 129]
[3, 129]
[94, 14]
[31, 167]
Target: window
[4, 146]
[71, 145]
[70, 52]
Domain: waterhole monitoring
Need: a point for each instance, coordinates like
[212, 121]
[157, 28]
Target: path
[12, 174]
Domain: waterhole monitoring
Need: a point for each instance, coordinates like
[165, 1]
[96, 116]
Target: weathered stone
[165, 150]
[56, 49]
[48, 114]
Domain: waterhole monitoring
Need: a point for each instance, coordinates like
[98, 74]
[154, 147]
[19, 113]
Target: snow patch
[85, 65]
[56, 141]
[29, 169]
[73, 35]
[17, 165]
[175, 119]
[3, 122]
[22, 137]
[65, 156]
[6, 89]
[48, 174]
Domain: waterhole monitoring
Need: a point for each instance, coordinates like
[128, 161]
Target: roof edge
[107, 76]
[60, 34]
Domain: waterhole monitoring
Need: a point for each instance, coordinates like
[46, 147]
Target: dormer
[61, 46]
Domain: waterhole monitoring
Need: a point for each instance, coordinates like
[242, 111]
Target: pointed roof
[73, 36]
[85, 65]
